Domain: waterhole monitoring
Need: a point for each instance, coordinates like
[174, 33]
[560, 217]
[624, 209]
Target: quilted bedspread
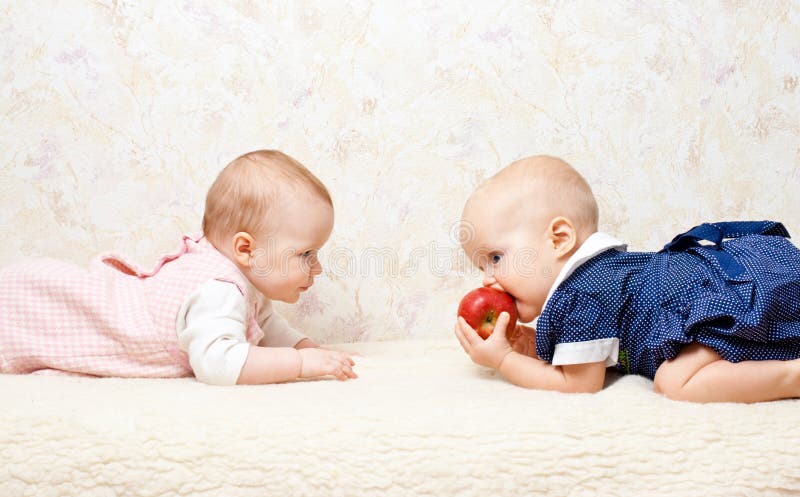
[421, 420]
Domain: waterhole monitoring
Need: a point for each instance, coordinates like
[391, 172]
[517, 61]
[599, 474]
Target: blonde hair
[246, 190]
[559, 189]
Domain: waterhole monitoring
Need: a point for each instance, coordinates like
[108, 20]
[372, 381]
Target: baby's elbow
[581, 387]
[593, 388]
[211, 373]
[583, 379]
[220, 362]
[208, 377]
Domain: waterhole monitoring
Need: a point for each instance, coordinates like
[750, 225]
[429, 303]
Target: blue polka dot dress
[738, 294]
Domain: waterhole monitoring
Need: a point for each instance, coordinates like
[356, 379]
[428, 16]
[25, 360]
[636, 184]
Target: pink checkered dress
[109, 320]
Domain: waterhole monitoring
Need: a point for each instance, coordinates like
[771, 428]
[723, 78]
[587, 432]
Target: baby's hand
[523, 340]
[322, 362]
[489, 352]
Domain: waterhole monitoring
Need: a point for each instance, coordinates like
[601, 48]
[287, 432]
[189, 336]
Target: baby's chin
[291, 299]
[525, 312]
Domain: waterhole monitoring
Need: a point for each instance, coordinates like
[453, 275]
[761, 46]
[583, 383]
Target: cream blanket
[421, 420]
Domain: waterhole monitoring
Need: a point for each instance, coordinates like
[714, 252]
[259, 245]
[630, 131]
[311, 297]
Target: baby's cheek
[304, 265]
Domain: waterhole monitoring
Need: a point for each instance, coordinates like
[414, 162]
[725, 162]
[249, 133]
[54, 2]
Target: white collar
[596, 243]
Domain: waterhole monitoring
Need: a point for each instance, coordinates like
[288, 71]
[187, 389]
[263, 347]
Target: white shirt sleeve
[277, 331]
[602, 349]
[212, 329]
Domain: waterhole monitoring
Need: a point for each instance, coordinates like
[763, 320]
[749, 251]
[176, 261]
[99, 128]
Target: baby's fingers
[344, 373]
[346, 359]
[499, 332]
[349, 373]
[471, 337]
[347, 367]
[462, 339]
[343, 368]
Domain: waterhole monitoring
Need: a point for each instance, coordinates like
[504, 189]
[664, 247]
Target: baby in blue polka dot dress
[712, 317]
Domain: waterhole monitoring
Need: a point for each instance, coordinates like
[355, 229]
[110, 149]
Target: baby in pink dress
[204, 310]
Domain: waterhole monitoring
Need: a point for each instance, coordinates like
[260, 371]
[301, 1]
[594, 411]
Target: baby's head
[270, 215]
[524, 223]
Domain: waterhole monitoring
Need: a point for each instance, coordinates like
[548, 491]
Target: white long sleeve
[212, 330]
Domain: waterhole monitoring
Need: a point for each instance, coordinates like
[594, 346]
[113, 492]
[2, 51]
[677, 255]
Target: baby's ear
[242, 248]
[563, 236]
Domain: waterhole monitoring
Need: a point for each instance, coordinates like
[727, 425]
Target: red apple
[481, 307]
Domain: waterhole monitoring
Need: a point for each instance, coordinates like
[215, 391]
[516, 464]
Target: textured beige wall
[118, 115]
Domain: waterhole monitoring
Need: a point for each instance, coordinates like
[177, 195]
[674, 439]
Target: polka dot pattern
[740, 296]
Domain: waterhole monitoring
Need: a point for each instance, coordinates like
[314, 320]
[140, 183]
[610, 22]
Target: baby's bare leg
[699, 374]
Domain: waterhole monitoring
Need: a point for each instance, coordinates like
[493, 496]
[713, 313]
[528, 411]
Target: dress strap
[716, 232]
[130, 269]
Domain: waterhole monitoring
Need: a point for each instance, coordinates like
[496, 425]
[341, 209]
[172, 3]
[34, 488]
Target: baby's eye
[495, 258]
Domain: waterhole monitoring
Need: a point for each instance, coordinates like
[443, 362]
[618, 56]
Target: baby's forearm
[530, 372]
[270, 365]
